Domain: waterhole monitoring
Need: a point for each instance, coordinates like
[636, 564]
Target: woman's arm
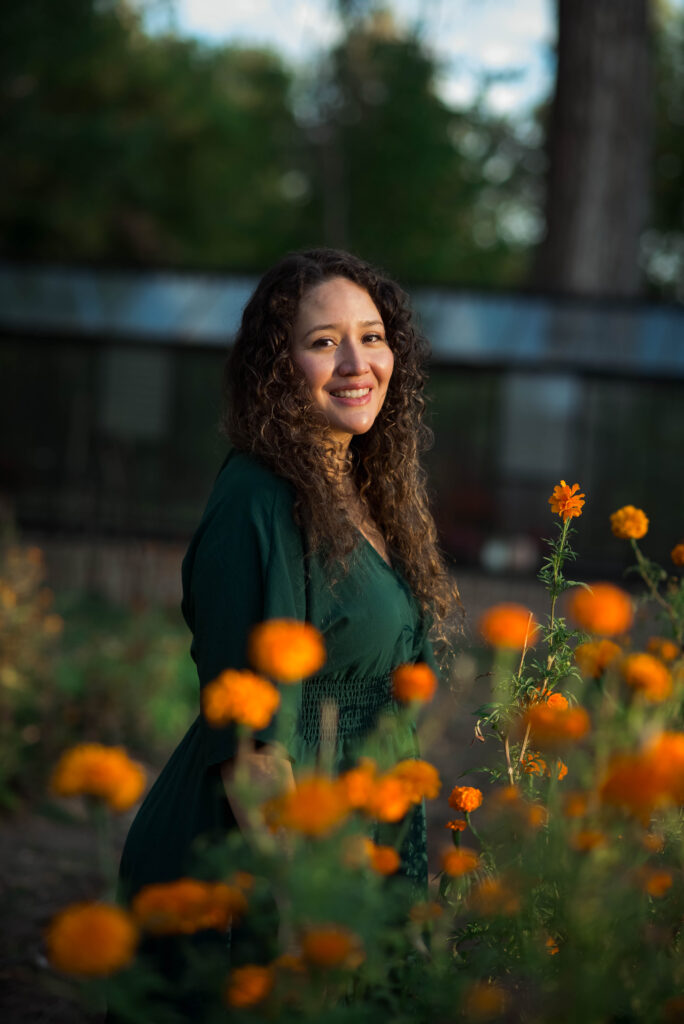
[246, 565]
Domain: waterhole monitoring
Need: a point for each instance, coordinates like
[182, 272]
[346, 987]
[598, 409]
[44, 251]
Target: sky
[467, 36]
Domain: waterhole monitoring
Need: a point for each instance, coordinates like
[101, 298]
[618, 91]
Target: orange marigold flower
[286, 650]
[634, 783]
[557, 700]
[485, 1001]
[588, 839]
[186, 906]
[506, 797]
[389, 800]
[657, 882]
[459, 861]
[426, 911]
[414, 682]
[605, 609]
[565, 501]
[648, 676]
[511, 626]
[553, 727]
[575, 805]
[249, 985]
[457, 824]
[358, 782]
[534, 764]
[420, 778]
[95, 770]
[495, 896]
[239, 697]
[661, 647]
[551, 946]
[331, 946]
[594, 657]
[677, 554]
[561, 769]
[383, 859]
[628, 522]
[536, 815]
[91, 939]
[315, 808]
[665, 755]
[465, 798]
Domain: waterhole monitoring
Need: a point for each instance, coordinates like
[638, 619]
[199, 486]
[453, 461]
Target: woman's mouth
[352, 396]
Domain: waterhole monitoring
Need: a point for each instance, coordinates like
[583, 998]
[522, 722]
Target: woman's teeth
[357, 393]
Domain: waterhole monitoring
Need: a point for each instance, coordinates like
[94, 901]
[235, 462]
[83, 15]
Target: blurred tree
[120, 146]
[130, 148]
[663, 243]
[433, 194]
[599, 145]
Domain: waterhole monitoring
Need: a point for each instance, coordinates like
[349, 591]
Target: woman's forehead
[337, 299]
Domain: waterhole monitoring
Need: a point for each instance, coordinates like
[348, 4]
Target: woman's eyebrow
[334, 327]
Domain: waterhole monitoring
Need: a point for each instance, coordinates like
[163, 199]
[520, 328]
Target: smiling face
[339, 344]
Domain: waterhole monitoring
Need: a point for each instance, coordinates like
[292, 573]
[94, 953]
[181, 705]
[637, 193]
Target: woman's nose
[353, 359]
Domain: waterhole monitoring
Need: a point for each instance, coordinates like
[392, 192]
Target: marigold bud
[629, 522]
[239, 697]
[286, 650]
[91, 939]
[648, 676]
[414, 683]
[677, 554]
[604, 609]
[465, 798]
[249, 985]
[459, 861]
[509, 626]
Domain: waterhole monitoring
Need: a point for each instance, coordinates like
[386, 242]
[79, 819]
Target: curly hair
[269, 412]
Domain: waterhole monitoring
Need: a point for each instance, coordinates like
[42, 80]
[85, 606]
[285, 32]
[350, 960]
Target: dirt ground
[45, 863]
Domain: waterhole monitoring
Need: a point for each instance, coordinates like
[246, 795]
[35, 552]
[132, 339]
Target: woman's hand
[264, 772]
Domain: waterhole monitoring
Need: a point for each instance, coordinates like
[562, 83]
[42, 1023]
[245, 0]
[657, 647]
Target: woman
[320, 514]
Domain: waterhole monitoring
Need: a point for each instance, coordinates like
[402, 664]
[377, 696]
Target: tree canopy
[129, 148]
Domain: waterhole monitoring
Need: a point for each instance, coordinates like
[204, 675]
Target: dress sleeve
[248, 566]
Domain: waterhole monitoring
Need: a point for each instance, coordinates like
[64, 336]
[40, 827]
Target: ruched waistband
[356, 702]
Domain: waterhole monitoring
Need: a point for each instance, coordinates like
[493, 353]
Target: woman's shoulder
[246, 487]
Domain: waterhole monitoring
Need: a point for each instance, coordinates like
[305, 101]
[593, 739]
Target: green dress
[246, 563]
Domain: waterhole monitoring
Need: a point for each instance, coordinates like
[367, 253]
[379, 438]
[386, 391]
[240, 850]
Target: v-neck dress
[247, 563]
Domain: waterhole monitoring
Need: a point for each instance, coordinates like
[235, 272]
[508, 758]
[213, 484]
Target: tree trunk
[599, 149]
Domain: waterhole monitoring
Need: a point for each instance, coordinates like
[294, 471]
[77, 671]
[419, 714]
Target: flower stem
[508, 760]
[642, 566]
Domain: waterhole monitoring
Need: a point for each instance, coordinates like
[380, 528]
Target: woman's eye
[322, 343]
[373, 337]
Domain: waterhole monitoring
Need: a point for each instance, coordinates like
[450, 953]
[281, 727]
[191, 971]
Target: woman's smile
[355, 396]
[341, 348]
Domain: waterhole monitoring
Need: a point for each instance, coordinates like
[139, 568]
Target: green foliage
[664, 590]
[120, 146]
[570, 911]
[124, 147]
[417, 187]
[76, 668]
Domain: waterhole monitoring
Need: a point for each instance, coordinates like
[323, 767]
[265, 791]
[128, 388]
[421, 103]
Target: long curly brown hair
[269, 413]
